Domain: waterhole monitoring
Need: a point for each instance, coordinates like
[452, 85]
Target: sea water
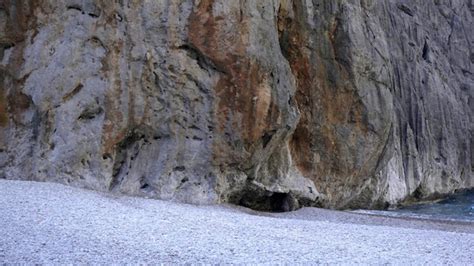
[457, 207]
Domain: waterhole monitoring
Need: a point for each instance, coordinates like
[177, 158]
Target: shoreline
[365, 217]
[359, 216]
[51, 223]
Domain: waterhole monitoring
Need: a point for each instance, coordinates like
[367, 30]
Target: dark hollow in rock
[266, 138]
[264, 200]
[406, 10]
[179, 168]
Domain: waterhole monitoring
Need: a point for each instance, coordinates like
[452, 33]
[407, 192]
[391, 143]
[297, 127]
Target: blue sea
[457, 207]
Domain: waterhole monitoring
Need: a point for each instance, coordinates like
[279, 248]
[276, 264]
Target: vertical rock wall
[268, 104]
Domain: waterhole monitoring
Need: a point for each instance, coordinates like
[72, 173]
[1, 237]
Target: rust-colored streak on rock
[113, 131]
[20, 18]
[245, 106]
[301, 149]
[19, 15]
[291, 38]
[325, 104]
[19, 102]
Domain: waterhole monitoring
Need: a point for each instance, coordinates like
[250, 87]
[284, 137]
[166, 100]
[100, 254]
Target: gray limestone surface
[272, 105]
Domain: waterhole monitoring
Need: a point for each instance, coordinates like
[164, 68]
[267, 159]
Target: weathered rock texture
[270, 104]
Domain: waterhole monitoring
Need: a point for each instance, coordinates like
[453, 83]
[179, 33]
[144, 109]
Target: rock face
[268, 104]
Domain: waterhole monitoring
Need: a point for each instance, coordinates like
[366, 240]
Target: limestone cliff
[269, 104]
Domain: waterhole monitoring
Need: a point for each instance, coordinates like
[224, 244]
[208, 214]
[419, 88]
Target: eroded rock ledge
[268, 104]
